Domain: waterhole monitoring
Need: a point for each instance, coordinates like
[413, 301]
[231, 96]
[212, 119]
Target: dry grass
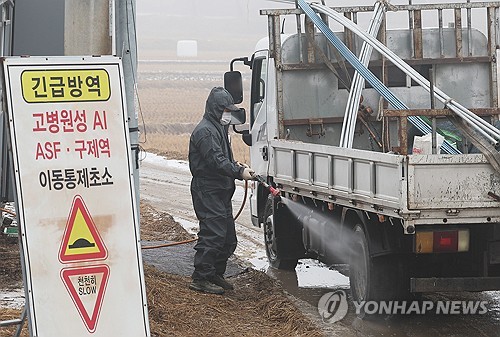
[160, 226]
[8, 314]
[162, 105]
[241, 150]
[257, 307]
[176, 146]
[169, 146]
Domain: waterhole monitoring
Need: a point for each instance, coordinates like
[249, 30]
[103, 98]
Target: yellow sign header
[61, 85]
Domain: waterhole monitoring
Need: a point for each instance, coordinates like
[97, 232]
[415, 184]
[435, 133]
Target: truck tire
[371, 278]
[274, 246]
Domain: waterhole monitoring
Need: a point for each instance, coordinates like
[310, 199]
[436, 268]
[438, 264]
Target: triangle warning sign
[86, 286]
[81, 240]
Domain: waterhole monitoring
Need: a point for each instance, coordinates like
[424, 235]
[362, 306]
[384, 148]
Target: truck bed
[421, 189]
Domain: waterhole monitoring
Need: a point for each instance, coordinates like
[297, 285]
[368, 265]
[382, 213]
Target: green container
[10, 231]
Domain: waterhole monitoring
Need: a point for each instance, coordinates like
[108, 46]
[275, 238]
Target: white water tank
[187, 48]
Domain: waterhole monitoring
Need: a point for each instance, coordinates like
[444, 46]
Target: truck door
[258, 122]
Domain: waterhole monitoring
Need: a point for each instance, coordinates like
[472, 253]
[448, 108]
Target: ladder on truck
[470, 122]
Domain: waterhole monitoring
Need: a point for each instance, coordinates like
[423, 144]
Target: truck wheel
[359, 271]
[371, 278]
[273, 246]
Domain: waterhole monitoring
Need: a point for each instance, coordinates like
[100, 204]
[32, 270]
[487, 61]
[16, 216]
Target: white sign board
[75, 196]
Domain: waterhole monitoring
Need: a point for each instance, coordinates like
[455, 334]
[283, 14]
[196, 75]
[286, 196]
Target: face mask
[226, 118]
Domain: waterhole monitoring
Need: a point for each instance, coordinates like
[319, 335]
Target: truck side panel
[454, 182]
[367, 177]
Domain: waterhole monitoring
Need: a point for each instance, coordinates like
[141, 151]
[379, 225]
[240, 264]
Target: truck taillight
[450, 241]
[445, 242]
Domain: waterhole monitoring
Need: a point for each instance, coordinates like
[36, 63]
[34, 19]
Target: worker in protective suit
[214, 171]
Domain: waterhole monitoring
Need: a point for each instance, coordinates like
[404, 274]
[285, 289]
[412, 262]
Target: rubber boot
[206, 286]
[221, 282]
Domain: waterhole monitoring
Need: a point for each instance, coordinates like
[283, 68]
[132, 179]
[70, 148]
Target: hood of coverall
[218, 100]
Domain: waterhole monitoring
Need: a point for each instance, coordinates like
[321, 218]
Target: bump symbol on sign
[81, 240]
[81, 243]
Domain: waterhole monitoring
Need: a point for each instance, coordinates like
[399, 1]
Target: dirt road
[165, 185]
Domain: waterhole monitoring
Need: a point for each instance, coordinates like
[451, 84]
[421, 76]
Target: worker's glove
[247, 173]
[242, 164]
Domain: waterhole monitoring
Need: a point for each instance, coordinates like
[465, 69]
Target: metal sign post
[76, 199]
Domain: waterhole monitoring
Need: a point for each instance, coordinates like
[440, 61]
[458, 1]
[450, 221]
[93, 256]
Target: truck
[405, 221]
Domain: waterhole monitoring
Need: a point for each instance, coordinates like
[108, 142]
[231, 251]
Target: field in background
[172, 99]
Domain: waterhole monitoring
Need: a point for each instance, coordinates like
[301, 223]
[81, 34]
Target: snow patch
[157, 160]
[12, 299]
[314, 274]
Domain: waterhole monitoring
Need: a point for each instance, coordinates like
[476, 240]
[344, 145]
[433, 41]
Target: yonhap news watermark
[421, 307]
[333, 307]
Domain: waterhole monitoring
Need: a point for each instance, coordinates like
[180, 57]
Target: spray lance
[274, 191]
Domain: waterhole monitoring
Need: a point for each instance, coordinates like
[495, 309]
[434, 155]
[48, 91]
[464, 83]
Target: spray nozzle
[274, 191]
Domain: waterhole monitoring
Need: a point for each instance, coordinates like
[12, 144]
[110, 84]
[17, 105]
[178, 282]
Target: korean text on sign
[69, 178]
[61, 85]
